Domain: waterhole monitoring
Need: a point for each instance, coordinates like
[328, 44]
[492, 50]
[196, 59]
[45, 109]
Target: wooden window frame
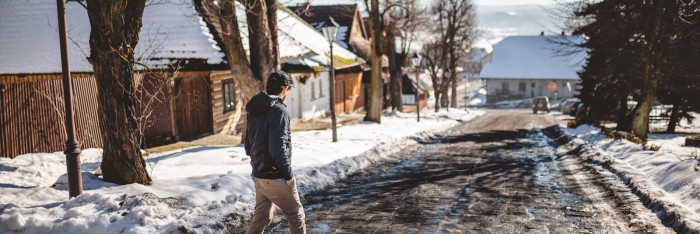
[228, 98]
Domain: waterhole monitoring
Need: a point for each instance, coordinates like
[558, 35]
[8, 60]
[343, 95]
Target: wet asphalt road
[498, 173]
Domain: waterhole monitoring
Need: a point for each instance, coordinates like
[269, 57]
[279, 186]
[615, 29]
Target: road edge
[670, 212]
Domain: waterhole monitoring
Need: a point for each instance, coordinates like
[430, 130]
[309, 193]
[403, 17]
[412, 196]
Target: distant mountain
[497, 22]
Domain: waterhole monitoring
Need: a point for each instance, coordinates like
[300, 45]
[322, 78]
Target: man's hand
[290, 182]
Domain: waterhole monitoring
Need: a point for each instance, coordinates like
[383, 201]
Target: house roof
[300, 43]
[317, 15]
[534, 57]
[29, 39]
[293, 28]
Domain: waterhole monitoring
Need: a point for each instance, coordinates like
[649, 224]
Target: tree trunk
[374, 112]
[115, 27]
[650, 74]
[623, 119]
[675, 118]
[263, 55]
[437, 102]
[395, 72]
[444, 99]
[272, 24]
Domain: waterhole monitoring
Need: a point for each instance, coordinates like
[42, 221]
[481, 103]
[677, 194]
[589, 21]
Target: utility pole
[75, 181]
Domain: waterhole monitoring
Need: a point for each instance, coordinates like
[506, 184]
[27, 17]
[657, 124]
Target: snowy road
[496, 174]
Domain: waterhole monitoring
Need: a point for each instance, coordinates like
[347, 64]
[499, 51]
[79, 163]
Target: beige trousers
[286, 197]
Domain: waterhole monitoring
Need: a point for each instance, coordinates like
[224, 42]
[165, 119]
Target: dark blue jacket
[268, 139]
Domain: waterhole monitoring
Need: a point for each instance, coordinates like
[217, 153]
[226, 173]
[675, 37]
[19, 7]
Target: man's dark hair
[276, 81]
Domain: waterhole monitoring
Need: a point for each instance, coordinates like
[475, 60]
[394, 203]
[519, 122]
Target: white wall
[310, 99]
[493, 87]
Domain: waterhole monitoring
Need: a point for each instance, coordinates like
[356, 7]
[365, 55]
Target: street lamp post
[75, 183]
[416, 64]
[466, 93]
[329, 30]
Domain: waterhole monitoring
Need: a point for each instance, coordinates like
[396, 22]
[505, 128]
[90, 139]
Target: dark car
[574, 108]
[540, 104]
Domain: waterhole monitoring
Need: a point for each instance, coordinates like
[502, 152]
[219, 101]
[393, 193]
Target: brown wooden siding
[31, 111]
[223, 121]
[32, 115]
[193, 106]
[348, 90]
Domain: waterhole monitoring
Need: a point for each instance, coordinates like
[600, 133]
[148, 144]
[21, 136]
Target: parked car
[540, 104]
[574, 108]
[565, 106]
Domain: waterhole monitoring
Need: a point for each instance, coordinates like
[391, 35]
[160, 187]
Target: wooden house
[186, 86]
[181, 86]
[352, 36]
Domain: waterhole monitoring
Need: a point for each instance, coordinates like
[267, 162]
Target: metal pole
[75, 183]
[333, 117]
[466, 95]
[418, 94]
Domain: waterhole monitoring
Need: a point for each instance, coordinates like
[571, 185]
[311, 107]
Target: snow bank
[200, 189]
[667, 183]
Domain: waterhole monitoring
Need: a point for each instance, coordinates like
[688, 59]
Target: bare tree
[454, 24]
[115, 27]
[405, 17]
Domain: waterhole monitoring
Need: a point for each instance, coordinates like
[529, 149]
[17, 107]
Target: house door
[193, 115]
[339, 96]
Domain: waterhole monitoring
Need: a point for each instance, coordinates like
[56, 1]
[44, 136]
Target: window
[504, 87]
[522, 86]
[229, 96]
[532, 85]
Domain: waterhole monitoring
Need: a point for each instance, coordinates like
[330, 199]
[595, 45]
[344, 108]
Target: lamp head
[330, 28]
[416, 59]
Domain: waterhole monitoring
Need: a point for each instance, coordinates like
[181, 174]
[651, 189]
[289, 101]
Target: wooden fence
[32, 113]
[32, 116]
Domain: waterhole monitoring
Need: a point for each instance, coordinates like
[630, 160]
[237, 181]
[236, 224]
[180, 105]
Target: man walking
[268, 143]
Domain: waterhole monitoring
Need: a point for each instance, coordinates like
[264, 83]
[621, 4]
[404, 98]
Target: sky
[496, 18]
[477, 2]
[513, 2]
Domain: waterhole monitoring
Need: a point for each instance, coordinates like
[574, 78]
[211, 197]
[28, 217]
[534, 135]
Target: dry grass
[232, 140]
[653, 147]
[216, 139]
[325, 122]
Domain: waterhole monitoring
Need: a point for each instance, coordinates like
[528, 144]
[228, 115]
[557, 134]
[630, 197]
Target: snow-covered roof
[300, 43]
[317, 15]
[534, 57]
[298, 30]
[29, 41]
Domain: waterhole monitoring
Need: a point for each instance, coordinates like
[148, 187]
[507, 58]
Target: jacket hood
[260, 103]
